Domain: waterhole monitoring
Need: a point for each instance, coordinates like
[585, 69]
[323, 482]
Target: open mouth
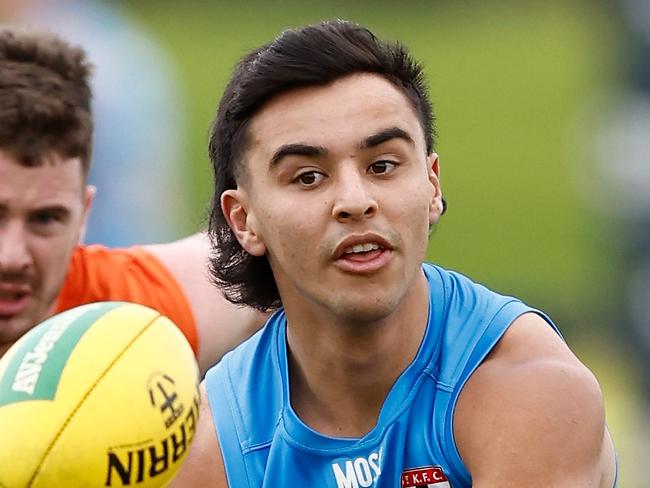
[12, 302]
[11, 295]
[362, 252]
[364, 258]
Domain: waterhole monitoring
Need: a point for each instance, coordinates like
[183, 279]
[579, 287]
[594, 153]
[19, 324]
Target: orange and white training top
[97, 273]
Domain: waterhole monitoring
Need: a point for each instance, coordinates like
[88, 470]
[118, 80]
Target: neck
[340, 373]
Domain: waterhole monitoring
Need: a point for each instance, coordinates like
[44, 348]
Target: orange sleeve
[97, 273]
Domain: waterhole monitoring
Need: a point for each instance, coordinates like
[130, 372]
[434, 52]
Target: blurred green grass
[508, 80]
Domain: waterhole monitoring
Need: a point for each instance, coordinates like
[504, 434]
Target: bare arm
[221, 325]
[532, 415]
[203, 466]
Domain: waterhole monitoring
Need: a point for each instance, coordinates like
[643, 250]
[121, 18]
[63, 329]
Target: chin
[15, 327]
[367, 310]
[12, 330]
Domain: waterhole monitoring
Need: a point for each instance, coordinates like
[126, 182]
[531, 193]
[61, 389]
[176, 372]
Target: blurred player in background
[377, 369]
[45, 154]
[138, 118]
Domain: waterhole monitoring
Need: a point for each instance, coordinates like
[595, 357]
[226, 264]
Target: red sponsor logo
[424, 477]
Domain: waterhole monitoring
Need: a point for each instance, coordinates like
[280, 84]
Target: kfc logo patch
[428, 477]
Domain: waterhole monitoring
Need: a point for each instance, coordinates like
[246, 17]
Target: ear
[234, 204]
[436, 205]
[88, 198]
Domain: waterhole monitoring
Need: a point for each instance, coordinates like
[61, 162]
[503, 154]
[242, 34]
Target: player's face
[339, 194]
[43, 212]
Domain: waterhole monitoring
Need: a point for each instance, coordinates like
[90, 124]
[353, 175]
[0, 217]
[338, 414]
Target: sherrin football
[102, 395]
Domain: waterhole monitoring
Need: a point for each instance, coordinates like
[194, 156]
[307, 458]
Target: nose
[354, 198]
[14, 251]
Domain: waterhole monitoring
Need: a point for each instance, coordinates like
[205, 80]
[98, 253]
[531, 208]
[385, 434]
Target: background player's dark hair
[310, 56]
[45, 98]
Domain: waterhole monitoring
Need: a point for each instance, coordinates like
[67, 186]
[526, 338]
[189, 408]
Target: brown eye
[382, 167]
[309, 178]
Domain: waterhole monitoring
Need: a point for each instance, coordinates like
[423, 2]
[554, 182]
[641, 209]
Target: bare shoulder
[203, 466]
[221, 324]
[533, 415]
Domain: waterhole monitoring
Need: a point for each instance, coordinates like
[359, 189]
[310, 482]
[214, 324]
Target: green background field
[511, 83]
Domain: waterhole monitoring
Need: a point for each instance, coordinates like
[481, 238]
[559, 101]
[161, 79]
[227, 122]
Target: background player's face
[339, 194]
[43, 211]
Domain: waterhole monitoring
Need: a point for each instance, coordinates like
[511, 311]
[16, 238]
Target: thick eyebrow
[385, 135]
[59, 211]
[296, 150]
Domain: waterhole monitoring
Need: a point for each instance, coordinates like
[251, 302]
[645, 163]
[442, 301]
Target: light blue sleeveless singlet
[265, 444]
